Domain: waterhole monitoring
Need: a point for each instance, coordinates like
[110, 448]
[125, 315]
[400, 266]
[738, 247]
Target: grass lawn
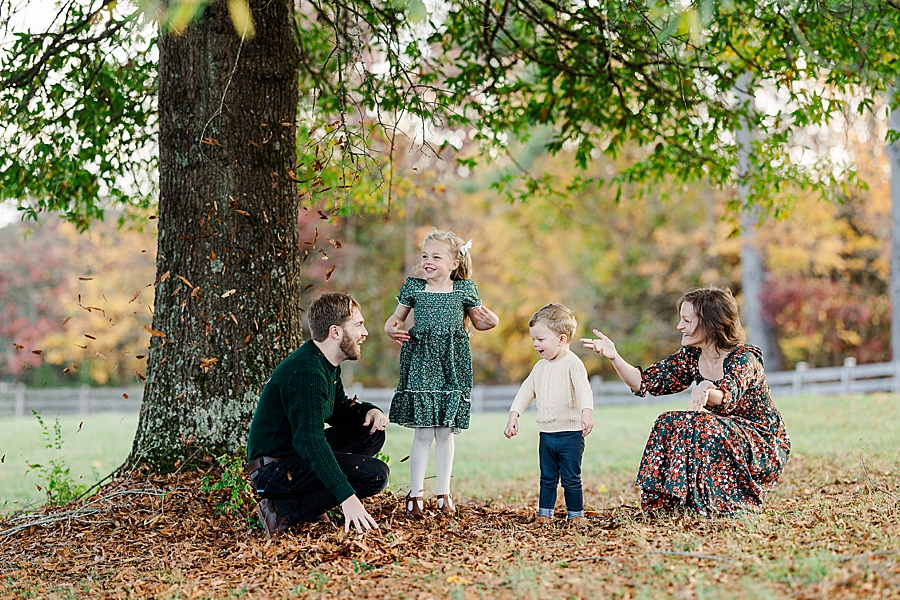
[829, 530]
[487, 465]
[92, 446]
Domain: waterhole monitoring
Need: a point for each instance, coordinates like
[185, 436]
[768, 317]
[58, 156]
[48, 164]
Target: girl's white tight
[443, 459]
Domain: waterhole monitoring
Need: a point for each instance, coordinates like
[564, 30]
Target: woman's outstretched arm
[605, 347]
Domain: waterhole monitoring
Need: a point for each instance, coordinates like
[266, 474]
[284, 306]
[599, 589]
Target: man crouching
[299, 468]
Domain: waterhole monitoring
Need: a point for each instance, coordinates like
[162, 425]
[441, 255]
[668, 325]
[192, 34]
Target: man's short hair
[332, 308]
[557, 318]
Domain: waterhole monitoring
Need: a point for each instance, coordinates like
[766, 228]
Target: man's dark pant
[297, 494]
[560, 455]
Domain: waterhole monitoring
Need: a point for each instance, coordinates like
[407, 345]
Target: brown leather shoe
[445, 503]
[272, 522]
[414, 505]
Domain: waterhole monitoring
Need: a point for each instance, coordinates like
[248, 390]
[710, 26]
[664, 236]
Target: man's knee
[374, 479]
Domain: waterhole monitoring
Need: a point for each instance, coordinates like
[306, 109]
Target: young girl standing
[433, 394]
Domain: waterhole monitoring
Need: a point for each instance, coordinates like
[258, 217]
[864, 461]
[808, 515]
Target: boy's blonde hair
[454, 243]
[557, 318]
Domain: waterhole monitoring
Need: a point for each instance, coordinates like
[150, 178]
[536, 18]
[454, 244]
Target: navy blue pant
[297, 494]
[560, 454]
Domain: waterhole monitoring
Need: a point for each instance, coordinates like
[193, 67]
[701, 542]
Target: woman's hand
[602, 345]
[700, 395]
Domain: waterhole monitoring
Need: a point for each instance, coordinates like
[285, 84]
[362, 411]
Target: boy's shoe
[272, 522]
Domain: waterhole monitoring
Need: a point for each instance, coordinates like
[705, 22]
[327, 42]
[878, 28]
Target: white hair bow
[465, 247]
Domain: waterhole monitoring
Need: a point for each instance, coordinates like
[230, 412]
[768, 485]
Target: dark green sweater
[305, 392]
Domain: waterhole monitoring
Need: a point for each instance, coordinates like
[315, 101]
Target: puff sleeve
[407, 295]
[470, 294]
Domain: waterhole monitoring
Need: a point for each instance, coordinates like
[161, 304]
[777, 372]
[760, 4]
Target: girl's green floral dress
[436, 363]
[716, 462]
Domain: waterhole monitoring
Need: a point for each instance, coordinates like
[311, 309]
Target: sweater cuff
[343, 491]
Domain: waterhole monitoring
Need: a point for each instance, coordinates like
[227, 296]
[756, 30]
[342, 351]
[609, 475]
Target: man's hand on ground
[356, 513]
[376, 419]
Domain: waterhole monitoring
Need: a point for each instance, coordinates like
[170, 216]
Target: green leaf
[416, 11]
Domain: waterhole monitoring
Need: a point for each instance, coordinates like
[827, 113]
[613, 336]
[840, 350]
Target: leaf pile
[827, 531]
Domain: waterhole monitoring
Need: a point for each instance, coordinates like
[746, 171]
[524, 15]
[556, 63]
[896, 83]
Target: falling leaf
[66, 321]
[243, 212]
[140, 356]
[139, 376]
[241, 18]
[79, 426]
[125, 396]
[2, 459]
[86, 278]
[37, 351]
[315, 237]
[247, 339]
[90, 337]
[206, 363]
[38, 487]
[336, 243]
[135, 297]
[188, 283]
[101, 356]
[289, 477]
[328, 273]
[164, 276]
[228, 293]
[80, 346]
[18, 346]
[154, 332]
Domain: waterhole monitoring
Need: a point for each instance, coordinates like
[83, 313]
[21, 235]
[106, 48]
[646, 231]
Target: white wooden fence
[17, 400]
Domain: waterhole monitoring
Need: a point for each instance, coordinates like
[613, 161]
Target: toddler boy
[565, 407]
[565, 403]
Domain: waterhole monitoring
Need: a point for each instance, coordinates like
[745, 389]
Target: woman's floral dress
[717, 462]
[435, 384]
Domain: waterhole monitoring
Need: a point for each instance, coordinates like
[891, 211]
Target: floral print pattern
[718, 462]
[436, 363]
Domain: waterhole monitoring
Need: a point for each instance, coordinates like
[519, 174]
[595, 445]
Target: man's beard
[349, 348]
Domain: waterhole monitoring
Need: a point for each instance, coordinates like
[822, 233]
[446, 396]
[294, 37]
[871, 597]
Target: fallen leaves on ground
[825, 532]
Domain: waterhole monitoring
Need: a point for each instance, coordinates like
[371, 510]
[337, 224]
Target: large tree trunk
[228, 268]
[893, 152]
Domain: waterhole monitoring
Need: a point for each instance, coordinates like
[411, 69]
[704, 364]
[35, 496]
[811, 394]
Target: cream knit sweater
[562, 391]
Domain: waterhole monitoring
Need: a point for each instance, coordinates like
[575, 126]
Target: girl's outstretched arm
[483, 318]
[605, 347]
[393, 325]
